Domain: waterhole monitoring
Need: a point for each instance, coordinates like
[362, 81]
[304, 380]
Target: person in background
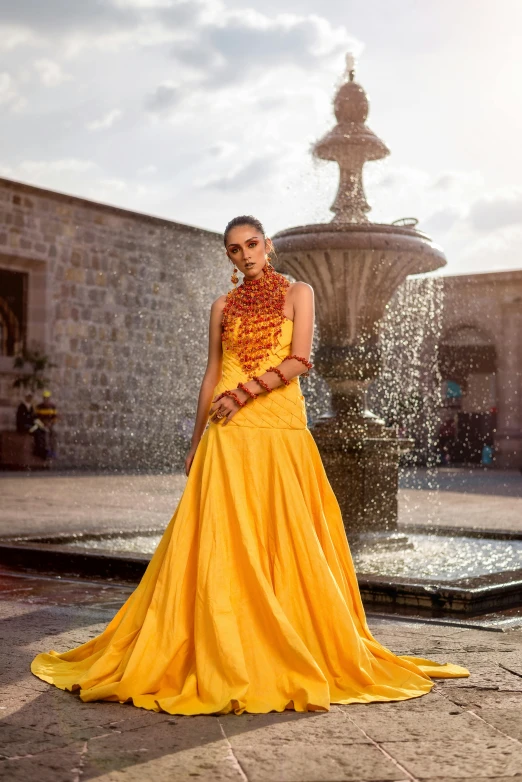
[45, 436]
[25, 414]
[447, 435]
[486, 456]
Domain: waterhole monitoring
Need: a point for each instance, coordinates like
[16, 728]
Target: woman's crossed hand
[224, 408]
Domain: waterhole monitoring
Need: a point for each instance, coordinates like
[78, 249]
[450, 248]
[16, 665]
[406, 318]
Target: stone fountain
[355, 266]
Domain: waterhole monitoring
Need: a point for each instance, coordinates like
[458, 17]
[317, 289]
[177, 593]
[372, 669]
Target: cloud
[442, 220]
[56, 16]
[497, 210]
[221, 149]
[66, 164]
[229, 45]
[496, 251]
[104, 24]
[387, 175]
[221, 44]
[436, 200]
[59, 174]
[113, 185]
[142, 3]
[107, 121]
[9, 94]
[240, 178]
[13, 36]
[145, 170]
[50, 72]
[445, 181]
[164, 97]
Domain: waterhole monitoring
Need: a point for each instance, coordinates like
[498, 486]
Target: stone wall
[120, 301]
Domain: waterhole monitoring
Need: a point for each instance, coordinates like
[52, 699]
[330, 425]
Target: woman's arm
[302, 298]
[210, 378]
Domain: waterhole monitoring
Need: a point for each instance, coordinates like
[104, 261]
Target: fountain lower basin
[458, 572]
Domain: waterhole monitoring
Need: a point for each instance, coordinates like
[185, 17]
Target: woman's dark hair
[243, 220]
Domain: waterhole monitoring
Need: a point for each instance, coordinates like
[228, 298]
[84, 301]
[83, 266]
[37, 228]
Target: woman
[250, 602]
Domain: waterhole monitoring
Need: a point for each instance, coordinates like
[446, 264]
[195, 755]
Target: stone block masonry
[120, 301]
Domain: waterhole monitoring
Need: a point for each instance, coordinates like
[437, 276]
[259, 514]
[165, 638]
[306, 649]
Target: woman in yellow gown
[250, 602]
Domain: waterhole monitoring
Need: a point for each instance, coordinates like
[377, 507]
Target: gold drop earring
[234, 278]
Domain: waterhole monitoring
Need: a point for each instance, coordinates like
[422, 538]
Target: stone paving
[46, 503]
[465, 729]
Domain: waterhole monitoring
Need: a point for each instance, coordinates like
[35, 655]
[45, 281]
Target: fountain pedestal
[361, 462]
[359, 452]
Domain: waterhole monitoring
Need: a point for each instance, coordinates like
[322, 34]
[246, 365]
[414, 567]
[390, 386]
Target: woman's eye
[252, 244]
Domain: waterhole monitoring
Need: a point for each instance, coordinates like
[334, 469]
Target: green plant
[39, 363]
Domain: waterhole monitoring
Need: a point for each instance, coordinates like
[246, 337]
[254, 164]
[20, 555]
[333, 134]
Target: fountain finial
[351, 144]
[350, 66]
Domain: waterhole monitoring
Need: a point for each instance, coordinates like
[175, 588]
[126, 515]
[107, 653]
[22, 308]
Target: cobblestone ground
[465, 729]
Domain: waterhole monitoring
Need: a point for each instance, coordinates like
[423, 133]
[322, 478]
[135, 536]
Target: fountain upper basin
[426, 255]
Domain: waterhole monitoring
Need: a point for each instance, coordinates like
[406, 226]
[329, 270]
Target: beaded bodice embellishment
[253, 318]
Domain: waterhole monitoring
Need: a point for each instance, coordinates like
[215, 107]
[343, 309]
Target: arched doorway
[468, 369]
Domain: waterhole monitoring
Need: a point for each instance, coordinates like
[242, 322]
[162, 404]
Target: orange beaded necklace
[256, 307]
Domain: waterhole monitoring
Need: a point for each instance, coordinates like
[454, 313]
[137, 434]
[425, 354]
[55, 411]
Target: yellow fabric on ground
[250, 602]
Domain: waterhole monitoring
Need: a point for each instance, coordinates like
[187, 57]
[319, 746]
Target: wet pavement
[465, 729]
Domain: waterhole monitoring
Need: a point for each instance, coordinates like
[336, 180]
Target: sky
[199, 110]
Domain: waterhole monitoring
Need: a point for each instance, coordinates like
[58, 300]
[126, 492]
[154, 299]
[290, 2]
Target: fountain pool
[455, 572]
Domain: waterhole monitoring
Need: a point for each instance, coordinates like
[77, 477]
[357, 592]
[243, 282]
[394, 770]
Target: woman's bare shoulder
[219, 303]
[300, 291]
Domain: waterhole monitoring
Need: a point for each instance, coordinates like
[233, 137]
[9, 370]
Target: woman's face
[247, 250]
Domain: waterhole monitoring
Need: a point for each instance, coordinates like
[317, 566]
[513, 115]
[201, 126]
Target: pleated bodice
[284, 407]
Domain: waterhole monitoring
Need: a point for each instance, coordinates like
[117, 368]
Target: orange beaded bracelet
[234, 397]
[307, 364]
[280, 374]
[263, 384]
[250, 393]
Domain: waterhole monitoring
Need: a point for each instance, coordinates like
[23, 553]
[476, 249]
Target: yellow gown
[250, 602]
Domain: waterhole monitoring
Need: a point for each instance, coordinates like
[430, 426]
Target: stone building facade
[480, 354]
[119, 301]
